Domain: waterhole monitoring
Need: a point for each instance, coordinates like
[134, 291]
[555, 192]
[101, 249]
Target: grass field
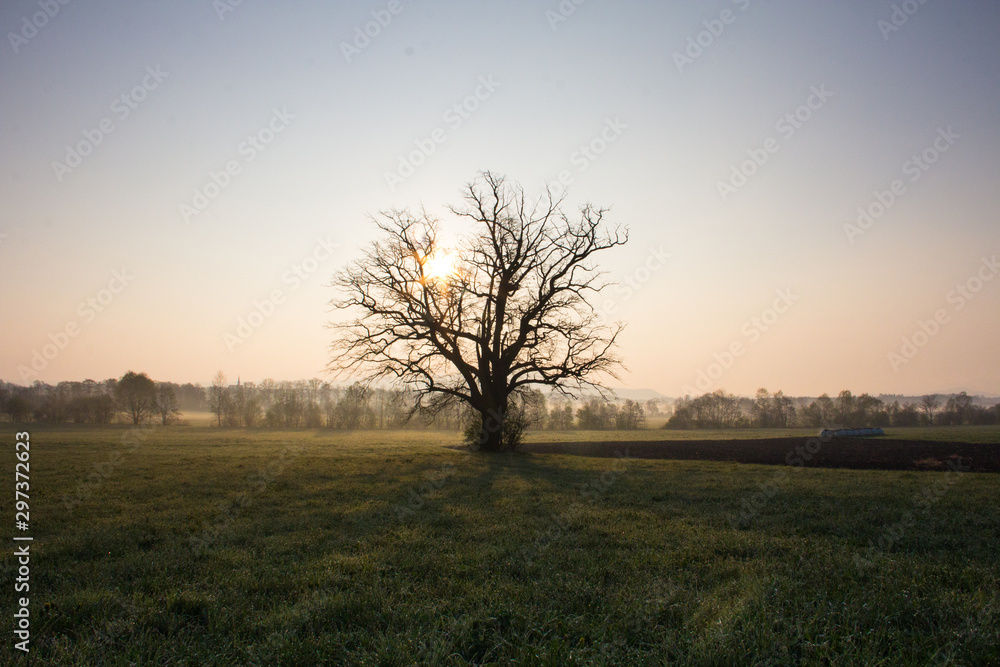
[190, 545]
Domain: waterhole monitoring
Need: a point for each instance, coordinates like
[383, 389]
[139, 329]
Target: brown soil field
[856, 453]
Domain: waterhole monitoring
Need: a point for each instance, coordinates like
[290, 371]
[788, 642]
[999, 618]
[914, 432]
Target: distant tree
[717, 409]
[353, 410]
[631, 416]
[217, 394]
[267, 391]
[55, 405]
[783, 413]
[979, 415]
[274, 416]
[771, 411]
[652, 407]
[820, 412]
[596, 414]
[762, 411]
[536, 408]
[956, 409]
[191, 398]
[136, 396]
[248, 405]
[844, 408]
[391, 410]
[683, 416]
[103, 408]
[929, 404]
[241, 406]
[230, 409]
[859, 411]
[80, 410]
[166, 402]
[869, 411]
[561, 416]
[313, 415]
[287, 408]
[98, 408]
[18, 408]
[905, 415]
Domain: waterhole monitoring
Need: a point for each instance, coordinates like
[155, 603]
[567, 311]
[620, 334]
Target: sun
[440, 266]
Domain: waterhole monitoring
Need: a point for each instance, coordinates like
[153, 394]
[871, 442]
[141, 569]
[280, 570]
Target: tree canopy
[506, 309]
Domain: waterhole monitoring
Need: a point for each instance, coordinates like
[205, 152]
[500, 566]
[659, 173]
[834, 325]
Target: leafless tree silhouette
[512, 312]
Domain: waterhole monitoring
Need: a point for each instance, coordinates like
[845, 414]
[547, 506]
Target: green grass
[389, 549]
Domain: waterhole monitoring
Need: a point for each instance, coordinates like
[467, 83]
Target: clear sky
[167, 169]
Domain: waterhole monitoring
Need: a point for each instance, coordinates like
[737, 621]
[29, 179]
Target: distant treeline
[721, 410]
[136, 399]
[91, 402]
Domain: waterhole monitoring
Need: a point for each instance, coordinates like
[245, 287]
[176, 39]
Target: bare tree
[248, 404]
[631, 416]
[217, 392]
[513, 311]
[929, 404]
[165, 403]
[761, 412]
[561, 416]
[782, 409]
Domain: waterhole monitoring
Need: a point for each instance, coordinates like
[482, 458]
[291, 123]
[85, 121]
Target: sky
[811, 188]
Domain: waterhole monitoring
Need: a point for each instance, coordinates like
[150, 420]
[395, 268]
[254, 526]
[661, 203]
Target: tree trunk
[491, 431]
